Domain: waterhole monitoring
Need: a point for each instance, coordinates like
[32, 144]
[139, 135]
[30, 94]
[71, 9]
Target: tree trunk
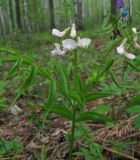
[2, 22]
[105, 8]
[1, 27]
[26, 19]
[11, 14]
[52, 19]
[18, 15]
[90, 10]
[78, 13]
[113, 7]
[100, 11]
[130, 10]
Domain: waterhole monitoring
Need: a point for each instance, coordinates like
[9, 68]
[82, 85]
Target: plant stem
[72, 134]
[75, 67]
[74, 109]
[123, 74]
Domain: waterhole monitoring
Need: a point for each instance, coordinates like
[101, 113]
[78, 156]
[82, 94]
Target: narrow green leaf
[133, 109]
[133, 66]
[60, 110]
[3, 102]
[65, 81]
[137, 122]
[9, 50]
[137, 11]
[103, 109]
[95, 81]
[106, 22]
[26, 84]
[44, 72]
[88, 116]
[95, 96]
[3, 85]
[77, 97]
[28, 60]
[109, 65]
[52, 93]
[114, 79]
[80, 84]
[15, 67]
[9, 59]
[133, 87]
[81, 89]
[135, 100]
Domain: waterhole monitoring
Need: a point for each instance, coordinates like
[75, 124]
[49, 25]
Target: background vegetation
[81, 106]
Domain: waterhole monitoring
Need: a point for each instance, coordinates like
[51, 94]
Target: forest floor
[47, 138]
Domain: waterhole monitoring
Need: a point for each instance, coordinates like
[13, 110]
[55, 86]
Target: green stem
[72, 135]
[75, 67]
[74, 109]
[123, 74]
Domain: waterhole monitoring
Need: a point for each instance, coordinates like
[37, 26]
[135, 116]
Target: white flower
[69, 44]
[121, 50]
[136, 45]
[135, 38]
[58, 51]
[73, 31]
[129, 55]
[56, 32]
[84, 42]
[134, 30]
[135, 34]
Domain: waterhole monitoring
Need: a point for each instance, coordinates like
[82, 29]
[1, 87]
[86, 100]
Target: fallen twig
[115, 152]
[120, 154]
[17, 156]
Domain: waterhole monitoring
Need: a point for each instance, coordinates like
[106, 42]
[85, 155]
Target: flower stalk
[71, 146]
[75, 60]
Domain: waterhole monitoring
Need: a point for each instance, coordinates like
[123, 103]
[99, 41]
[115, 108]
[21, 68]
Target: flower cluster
[135, 43]
[69, 44]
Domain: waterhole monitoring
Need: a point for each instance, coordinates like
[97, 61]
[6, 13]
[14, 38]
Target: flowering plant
[76, 92]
